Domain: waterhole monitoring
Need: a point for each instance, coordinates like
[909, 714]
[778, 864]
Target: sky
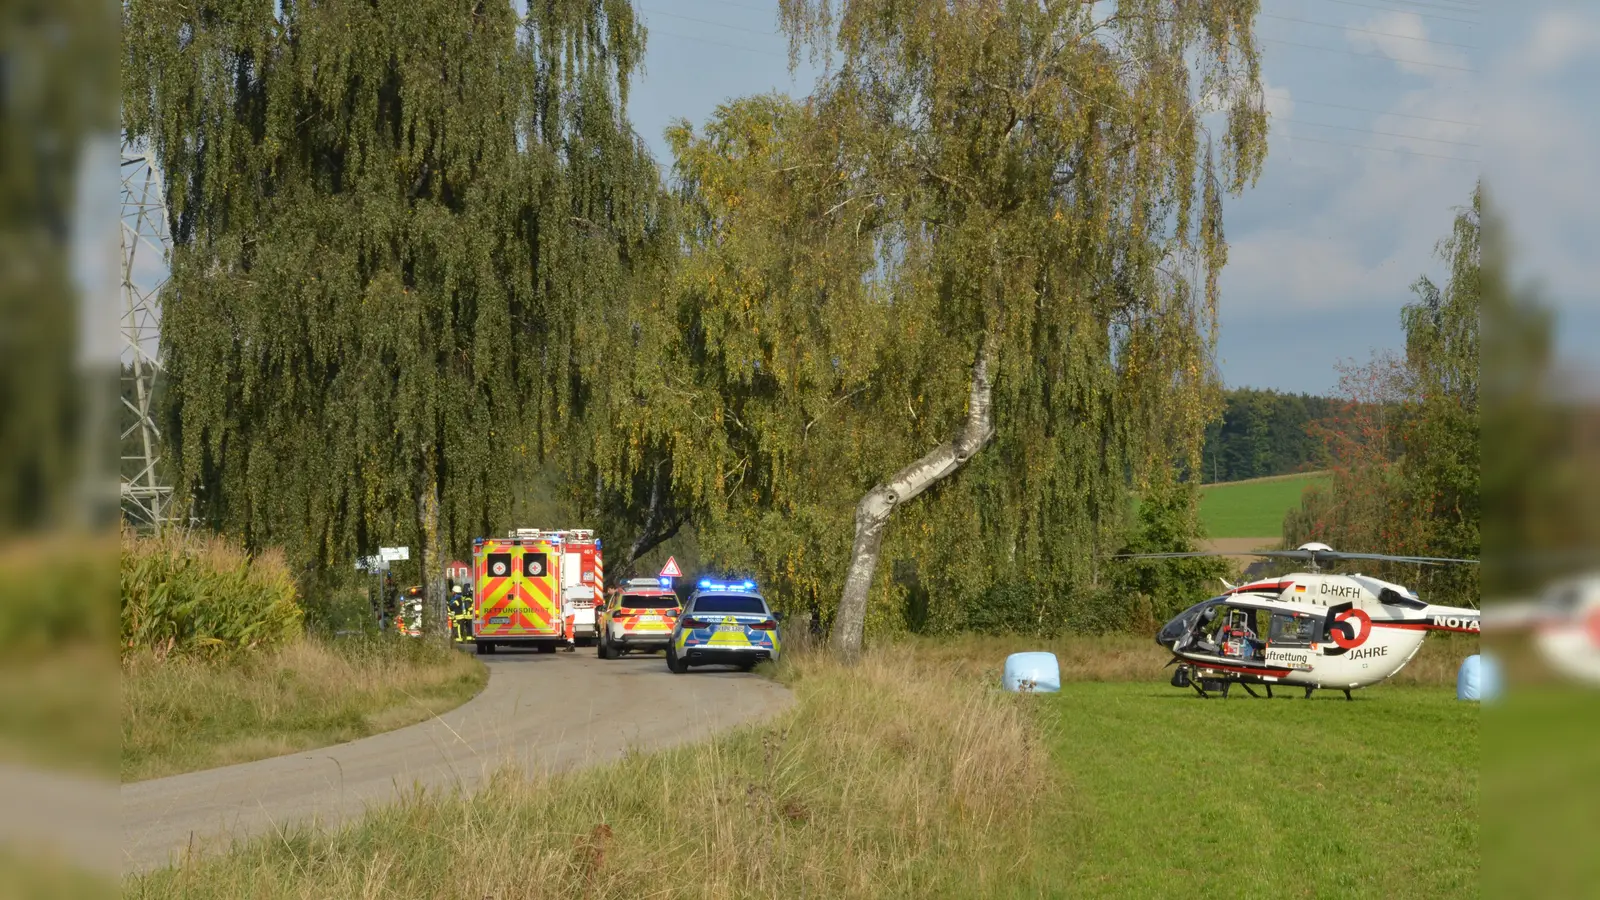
[1384, 114]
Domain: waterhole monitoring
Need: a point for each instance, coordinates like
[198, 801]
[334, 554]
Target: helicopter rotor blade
[1312, 556]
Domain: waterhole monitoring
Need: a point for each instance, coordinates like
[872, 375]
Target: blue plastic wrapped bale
[1032, 672]
[1479, 679]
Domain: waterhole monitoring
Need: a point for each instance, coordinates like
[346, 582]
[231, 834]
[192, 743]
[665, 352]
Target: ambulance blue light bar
[707, 584]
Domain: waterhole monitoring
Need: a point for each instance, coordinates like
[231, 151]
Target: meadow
[912, 775]
[1254, 508]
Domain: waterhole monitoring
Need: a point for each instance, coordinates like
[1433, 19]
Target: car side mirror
[777, 617]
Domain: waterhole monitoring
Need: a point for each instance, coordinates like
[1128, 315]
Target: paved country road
[542, 712]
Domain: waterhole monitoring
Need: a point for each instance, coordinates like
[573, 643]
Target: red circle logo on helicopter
[1350, 636]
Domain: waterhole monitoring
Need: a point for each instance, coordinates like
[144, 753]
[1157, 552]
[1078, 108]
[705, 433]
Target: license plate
[649, 618]
[729, 628]
[499, 620]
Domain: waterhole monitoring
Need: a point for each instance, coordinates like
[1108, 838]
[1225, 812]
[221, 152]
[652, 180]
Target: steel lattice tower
[146, 499]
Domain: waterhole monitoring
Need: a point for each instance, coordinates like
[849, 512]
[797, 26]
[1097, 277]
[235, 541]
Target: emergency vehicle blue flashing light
[666, 582]
[709, 585]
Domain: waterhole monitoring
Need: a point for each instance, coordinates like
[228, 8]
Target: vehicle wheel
[546, 648]
[676, 665]
[484, 647]
[608, 650]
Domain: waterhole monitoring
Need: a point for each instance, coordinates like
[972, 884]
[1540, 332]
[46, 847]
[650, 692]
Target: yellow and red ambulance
[516, 598]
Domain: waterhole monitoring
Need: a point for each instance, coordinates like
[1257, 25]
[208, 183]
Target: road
[540, 712]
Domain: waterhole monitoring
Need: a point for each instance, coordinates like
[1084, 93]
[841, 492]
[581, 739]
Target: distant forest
[1265, 433]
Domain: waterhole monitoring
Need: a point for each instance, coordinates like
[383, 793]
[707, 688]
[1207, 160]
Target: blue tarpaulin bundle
[1479, 679]
[1032, 672]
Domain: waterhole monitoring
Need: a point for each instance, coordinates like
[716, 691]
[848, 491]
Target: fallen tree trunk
[872, 513]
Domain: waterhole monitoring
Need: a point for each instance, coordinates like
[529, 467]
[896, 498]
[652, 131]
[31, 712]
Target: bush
[202, 594]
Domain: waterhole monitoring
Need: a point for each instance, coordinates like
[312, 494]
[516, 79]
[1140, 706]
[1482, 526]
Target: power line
[1392, 9]
[1403, 150]
[1447, 7]
[765, 9]
[657, 12]
[1366, 31]
[1381, 112]
[1409, 137]
[690, 37]
[1414, 62]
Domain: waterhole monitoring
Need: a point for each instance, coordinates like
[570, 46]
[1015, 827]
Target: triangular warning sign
[671, 570]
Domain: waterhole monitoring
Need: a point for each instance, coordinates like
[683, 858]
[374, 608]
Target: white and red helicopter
[1565, 623]
[1310, 629]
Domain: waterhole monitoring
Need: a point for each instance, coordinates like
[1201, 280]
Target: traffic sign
[394, 553]
[671, 570]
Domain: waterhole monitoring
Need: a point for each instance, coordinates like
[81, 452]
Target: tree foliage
[402, 231]
[1020, 184]
[1261, 433]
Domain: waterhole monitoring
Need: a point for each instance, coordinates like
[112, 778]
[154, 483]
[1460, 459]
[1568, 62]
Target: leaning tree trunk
[872, 513]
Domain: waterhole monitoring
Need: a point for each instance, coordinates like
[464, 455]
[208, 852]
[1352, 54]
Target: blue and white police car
[726, 623]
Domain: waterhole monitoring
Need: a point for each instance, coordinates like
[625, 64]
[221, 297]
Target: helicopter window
[1293, 629]
[1205, 615]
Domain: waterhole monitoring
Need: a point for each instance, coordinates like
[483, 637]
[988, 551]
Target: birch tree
[1046, 168]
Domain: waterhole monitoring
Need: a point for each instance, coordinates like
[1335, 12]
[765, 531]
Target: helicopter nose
[1170, 632]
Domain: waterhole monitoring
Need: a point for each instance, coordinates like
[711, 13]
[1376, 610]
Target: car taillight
[622, 614]
[764, 626]
[692, 622]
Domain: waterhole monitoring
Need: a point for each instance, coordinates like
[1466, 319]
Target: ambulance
[516, 596]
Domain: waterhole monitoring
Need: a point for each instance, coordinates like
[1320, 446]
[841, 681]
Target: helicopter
[1322, 630]
[1565, 625]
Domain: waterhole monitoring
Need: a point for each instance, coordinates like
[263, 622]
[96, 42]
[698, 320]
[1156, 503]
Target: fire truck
[583, 581]
[522, 582]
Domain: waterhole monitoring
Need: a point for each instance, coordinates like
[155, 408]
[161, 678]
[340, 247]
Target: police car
[723, 622]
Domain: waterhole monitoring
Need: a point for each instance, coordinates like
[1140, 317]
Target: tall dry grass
[182, 713]
[900, 777]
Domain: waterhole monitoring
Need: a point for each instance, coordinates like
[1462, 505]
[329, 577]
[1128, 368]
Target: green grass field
[912, 775]
[1255, 508]
[1168, 795]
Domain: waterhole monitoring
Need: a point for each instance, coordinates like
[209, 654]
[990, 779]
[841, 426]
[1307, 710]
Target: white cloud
[1404, 38]
[1559, 38]
[1279, 102]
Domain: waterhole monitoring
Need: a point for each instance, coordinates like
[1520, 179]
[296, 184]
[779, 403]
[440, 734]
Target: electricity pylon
[146, 498]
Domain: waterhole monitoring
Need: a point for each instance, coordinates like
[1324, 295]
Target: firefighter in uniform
[460, 606]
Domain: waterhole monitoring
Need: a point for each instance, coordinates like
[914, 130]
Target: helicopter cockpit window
[1197, 618]
[1293, 629]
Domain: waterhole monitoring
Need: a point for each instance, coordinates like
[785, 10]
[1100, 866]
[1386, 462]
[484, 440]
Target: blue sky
[1379, 110]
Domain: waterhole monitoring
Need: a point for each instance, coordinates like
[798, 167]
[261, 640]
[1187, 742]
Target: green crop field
[1168, 795]
[1254, 508]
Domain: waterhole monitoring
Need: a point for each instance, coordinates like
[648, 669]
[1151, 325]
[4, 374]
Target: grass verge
[899, 777]
[1242, 509]
[182, 714]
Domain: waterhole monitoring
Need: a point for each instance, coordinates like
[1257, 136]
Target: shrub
[202, 594]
